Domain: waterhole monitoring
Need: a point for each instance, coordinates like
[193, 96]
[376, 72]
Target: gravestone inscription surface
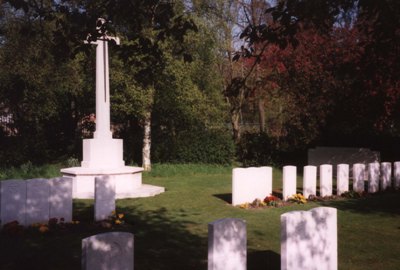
[342, 178]
[13, 201]
[309, 181]
[37, 200]
[227, 244]
[358, 177]
[325, 185]
[373, 177]
[289, 176]
[108, 251]
[386, 175]
[251, 183]
[309, 239]
[396, 172]
[104, 197]
[61, 198]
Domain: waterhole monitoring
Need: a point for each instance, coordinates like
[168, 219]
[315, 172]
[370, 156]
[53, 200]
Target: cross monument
[103, 155]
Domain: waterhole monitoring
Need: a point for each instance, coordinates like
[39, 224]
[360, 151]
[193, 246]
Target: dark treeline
[202, 81]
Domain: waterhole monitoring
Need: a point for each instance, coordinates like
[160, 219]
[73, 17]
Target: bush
[256, 149]
[196, 146]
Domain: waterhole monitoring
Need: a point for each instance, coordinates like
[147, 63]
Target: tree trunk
[146, 161]
[261, 114]
[235, 119]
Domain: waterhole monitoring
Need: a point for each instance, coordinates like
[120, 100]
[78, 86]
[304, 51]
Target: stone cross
[102, 80]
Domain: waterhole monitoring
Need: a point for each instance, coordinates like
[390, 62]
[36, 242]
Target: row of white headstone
[35, 200]
[38, 200]
[256, 183]
[308, 241]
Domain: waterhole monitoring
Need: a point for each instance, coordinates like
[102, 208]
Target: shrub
[255, 149]
[196, 146]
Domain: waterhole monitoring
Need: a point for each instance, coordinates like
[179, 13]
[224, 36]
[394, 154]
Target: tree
[340, 56]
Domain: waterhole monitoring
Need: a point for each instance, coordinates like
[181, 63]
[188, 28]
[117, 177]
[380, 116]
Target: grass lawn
[171, 229]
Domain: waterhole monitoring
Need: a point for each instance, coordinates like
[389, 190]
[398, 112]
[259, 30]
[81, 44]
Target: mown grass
[171, 229]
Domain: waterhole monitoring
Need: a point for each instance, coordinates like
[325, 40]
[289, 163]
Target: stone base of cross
[102, 153]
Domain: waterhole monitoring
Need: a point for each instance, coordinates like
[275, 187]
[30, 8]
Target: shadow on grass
[163, 243]
[159, 242]
[385, 203]
[266, 259]
[227, 197]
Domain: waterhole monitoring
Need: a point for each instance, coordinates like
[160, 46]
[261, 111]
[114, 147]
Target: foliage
[326, 69]
[255, 149]
[195, 146]
[28, 170]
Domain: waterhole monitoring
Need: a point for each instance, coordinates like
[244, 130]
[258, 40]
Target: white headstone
[396, 175]
[309, 239]
[358, 177]
[61, 198]
[342, 180]
[386, 175]
[104, 197]
[249, 184]
[13, 201]
[309, 181]
[227, 244]
[37, 200]
[373, 177]
[325, 180]
[108, 251]
[289, 176]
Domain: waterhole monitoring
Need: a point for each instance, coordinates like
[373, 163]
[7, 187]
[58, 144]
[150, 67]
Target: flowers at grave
[43, 228]
[351, 194]
[244, 205]
[272, 200]
[116, 218]
[258, 203]
[298, 198]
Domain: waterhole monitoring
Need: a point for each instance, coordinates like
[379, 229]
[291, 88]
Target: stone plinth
[128, 182]
[103, 153]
